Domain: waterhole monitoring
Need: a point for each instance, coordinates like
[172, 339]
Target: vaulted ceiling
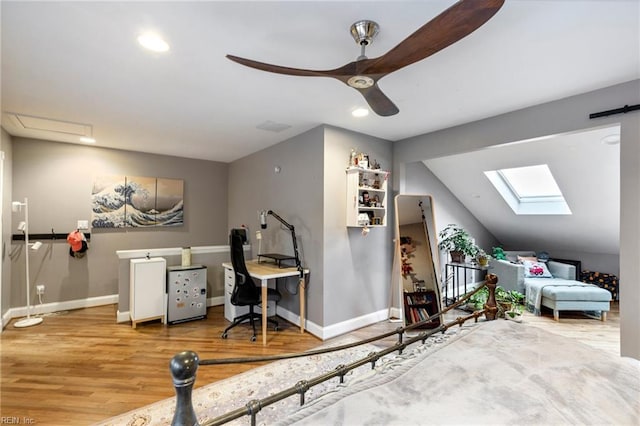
[78, 63]
[587, 170]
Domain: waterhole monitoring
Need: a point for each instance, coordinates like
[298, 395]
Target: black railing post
[183, 368]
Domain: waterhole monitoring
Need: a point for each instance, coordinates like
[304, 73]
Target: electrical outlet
[40, 289]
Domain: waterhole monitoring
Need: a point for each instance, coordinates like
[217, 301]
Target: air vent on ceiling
[28, 122]
[272, 126]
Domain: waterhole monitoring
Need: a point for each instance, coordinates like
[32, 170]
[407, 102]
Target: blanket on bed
[534, 286]
[501, 373]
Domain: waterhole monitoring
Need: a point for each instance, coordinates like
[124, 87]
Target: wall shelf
[367, 194]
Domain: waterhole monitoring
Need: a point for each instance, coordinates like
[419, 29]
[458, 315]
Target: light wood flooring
[80, 367]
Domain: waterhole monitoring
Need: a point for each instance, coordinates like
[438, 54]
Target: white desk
[265, 271]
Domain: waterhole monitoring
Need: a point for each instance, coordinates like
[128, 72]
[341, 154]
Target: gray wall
[357, 269]
[349, 273]
[57, 179]
[6, 146]
[295, 194]
[565, 115]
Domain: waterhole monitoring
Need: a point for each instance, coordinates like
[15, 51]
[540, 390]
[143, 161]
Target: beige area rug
[217, 398]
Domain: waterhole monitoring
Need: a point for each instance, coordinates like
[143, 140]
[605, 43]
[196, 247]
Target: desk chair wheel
[253, 338]
[224, 335]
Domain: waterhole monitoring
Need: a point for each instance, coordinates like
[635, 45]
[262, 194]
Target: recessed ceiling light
[153, 42]
[360, 112]
[611, 139]
[86, 139]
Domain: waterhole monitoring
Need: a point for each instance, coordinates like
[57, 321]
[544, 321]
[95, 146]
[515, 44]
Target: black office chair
[245, 292]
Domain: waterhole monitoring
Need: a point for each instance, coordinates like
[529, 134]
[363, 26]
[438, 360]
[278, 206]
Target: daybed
[555, 287]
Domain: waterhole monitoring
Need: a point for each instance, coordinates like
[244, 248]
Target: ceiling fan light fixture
[360, 82]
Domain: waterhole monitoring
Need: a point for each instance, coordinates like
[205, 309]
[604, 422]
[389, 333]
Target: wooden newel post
[183, 368]
[491, 306]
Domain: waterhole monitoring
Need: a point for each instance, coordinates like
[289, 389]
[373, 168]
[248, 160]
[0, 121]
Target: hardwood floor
[80, 367]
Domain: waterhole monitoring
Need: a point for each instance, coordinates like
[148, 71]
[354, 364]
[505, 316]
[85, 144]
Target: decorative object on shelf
[482, 258]
[353, 158]
[363, 219]
[186, 256]
[458, 242]
[24, 227]
[498, 253]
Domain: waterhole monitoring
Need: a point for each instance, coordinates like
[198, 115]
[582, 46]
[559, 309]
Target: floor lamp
[24, 227]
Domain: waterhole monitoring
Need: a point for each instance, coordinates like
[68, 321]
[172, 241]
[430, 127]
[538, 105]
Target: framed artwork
[136, 201]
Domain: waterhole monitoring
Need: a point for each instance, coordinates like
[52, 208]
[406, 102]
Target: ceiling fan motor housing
[363, 32]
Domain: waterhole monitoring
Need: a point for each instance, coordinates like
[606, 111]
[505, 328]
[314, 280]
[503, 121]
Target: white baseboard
[48, 308]
[313, 328]
[352, 324]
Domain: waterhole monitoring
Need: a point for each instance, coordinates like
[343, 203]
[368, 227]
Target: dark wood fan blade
[285, 70]
[453, 24]
[378, 101]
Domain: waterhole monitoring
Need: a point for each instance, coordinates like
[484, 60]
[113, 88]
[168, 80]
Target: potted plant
[515, 313]
[509, 303]
[458, 242]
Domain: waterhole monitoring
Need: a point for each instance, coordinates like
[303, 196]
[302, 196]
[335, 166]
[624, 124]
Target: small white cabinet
[147, 290]
[366, 197]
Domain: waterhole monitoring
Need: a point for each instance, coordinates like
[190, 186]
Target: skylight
[529, 190]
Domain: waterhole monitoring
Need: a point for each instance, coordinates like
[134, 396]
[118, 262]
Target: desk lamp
[263, 225]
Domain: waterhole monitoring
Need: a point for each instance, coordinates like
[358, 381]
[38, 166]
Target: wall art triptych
[134, 201]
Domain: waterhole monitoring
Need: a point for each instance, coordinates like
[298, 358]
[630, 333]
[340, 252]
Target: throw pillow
[521, 259]
[536, 270]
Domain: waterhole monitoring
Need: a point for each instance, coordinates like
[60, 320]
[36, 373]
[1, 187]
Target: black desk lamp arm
[293, 236]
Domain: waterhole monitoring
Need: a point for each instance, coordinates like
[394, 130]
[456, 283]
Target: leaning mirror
[417, 259]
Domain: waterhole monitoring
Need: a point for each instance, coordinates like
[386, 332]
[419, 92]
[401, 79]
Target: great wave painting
[134, 201]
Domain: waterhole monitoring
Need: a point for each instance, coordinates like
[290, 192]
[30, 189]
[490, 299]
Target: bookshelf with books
[418, 306]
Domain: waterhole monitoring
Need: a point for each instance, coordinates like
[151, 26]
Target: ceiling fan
[363, 74]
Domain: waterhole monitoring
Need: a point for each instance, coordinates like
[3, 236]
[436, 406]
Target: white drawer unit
[232, 311]
[147, 297]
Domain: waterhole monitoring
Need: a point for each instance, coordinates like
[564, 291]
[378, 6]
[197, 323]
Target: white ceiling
[79, 62]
